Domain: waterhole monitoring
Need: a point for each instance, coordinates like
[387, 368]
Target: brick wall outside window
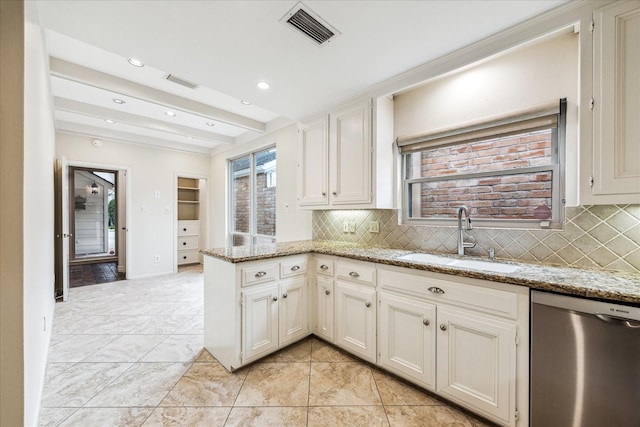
[513, 196]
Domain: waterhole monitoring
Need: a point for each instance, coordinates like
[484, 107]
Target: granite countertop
[615, 286]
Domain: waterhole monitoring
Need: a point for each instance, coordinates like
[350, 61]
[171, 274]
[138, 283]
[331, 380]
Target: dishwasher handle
[627, 323]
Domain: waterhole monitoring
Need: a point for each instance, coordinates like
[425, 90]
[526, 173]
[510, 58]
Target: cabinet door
[324, 308]
[293, 319]
[356, 319]
[350, 150]
[313, 163]
[616, 136]
[476, 359]
[407, 338]
[259, 321]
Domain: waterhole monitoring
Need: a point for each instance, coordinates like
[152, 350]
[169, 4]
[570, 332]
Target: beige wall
[11, 222]
[151, 222]
[524, 78]
[291, 224]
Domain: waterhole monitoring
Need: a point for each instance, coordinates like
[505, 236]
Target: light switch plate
[345, 227]
[352, 227]
[374, 227]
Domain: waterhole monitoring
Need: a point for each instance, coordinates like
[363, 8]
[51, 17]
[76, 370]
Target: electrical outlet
[156, 258]
[352, 227]
[374, 227]
[345, 226]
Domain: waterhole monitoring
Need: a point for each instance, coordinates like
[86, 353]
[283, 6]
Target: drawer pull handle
[426, 322]
[324, 267]
[354, 275]
[184, 243]
[284, 295]
[443, 327]
[275, 298]
[260, 274]
[327, 292]
[295, 268]
[367, 304]
[436, 290]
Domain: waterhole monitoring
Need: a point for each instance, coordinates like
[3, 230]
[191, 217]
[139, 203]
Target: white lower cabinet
[293, 308]
[457, 337]
[476, 357]
[324, 308]
[355, 319]
[407, 338]
[259, 321]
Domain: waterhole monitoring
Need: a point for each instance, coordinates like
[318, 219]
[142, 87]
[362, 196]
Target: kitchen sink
[495, 267]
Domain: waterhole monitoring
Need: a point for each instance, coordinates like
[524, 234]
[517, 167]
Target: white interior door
[62, 227]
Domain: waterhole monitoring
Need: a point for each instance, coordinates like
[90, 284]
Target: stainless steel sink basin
[472, 264]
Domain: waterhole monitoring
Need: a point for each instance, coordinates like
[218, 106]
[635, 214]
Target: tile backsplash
[604, 236]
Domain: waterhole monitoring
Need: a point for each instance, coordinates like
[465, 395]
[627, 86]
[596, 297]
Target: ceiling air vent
[182, 82]
[310, 24]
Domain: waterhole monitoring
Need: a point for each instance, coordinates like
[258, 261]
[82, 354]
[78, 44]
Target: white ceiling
[226, 47]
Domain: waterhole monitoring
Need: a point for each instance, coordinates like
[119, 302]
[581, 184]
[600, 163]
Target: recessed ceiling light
[119, 101]
[210, 124]
[136, 62]
[263, 85]
[110, 121]
[245, 102]
[169, 113]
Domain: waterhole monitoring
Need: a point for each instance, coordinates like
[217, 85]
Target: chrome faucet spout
[461, 243]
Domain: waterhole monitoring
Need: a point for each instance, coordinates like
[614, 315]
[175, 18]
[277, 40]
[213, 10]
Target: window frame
[253, 236]
[557, 168]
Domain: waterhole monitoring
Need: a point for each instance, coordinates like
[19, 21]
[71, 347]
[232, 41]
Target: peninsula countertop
[590, 283]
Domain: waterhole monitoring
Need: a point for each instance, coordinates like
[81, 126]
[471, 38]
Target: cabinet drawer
[487, 300]
[293, 267]
[188, 242]
[356, 272]
[324, 266]
[259, 274]
[186, 228]
[188, 257]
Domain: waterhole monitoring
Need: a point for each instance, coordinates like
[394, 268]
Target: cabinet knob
[335, 193]
[275, 298]
[436, 290]
[354, 274]
[443, 327]
[426, 322]
[184, 229]
[184, 257]
[184, 243]
[324, 267]
[260, 274]
[367, 304]
[284, 295]
[295, 268]
[324, 194]
[327, 292]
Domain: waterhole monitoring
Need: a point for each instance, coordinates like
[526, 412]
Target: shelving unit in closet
[188, 220]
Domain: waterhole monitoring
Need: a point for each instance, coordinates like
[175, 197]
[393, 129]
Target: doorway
[92, 215]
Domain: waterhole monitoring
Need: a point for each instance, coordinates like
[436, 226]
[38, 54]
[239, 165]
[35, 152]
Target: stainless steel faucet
[461, 243]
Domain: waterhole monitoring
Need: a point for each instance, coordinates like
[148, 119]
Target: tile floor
[131, 354]
[91, 274]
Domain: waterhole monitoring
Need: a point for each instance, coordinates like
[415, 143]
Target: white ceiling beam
[78, 73]
[93, 132]
[139, 121]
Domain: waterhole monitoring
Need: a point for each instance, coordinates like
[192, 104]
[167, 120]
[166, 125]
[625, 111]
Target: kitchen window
[253, 198]
[507, 171]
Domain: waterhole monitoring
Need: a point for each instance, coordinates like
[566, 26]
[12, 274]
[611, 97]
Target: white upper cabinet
[313, 159]
[346, 159]
[616, 93]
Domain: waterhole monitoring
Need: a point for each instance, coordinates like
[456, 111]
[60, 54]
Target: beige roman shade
[530, 120]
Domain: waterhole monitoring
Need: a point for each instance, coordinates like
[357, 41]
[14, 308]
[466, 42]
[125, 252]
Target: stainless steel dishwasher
[585, 362]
